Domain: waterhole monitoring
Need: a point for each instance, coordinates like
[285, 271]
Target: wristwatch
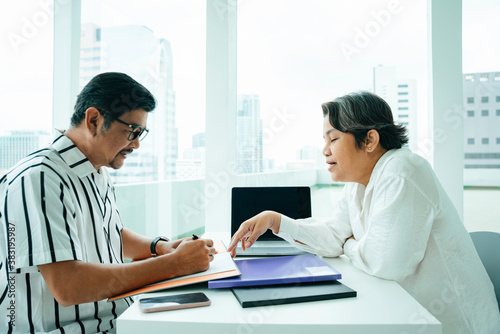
[153, 245]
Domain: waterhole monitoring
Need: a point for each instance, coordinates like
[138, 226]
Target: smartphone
[173, 302]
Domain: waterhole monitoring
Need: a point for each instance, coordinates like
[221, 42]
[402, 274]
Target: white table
[381, 307]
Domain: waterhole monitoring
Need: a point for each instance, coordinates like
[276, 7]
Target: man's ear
[372, 140]
[92, 120]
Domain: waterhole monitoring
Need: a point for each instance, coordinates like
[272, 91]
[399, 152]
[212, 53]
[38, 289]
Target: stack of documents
[283, 280]
[221, 267]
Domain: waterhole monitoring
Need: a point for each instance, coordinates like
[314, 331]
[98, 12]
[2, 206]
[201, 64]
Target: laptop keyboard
[270, 244]
[272, 248]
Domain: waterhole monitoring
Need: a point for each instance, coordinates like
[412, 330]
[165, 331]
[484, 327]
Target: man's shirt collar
[75, 159]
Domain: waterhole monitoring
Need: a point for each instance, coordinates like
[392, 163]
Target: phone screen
[173, 302]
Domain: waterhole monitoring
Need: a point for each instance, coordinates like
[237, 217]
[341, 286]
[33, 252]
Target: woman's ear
[92, 116]
[372, 140]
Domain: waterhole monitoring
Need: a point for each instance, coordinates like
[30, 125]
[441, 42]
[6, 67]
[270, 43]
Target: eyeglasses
[137, 130]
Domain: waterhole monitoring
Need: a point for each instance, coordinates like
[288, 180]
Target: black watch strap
[153, 245]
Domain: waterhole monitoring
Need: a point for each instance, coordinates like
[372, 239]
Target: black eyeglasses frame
[142, 133]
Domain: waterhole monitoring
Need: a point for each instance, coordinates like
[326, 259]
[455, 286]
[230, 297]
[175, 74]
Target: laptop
[246, 202]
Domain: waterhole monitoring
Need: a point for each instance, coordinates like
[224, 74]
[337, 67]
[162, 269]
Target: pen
[195, 237]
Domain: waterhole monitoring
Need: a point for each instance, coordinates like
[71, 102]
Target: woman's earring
[369, 148]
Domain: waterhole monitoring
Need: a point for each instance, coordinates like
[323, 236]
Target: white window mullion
[67, 18]
[220, 113]
[445, 79]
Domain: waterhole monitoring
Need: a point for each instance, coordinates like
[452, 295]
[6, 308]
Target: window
[161, 45]
[470, 113]
[498, 98]
[479, 42]
[470, 141]
[469, 77]
[170, 62]
[484, 113]
[278, 59]
[26, 88]
[498, 140]
[285, 71]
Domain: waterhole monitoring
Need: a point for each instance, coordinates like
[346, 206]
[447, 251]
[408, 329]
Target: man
[62, 243]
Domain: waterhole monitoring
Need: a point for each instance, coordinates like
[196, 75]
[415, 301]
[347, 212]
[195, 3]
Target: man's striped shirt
[55, 206]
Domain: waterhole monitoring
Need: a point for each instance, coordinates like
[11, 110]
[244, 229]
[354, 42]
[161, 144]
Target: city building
[401, 95]
[199, 140]
[313, 154]
[150, 63]
[481, 124]
[192, 164]
[249, 135]
[15, 145]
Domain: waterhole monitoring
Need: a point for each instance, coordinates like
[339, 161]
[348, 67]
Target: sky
[291, 53]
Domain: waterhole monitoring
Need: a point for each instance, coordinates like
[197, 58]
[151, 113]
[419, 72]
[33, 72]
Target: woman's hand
[253, 228]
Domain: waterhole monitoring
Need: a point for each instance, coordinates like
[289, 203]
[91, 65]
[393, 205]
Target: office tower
[192, 164]
[199, 140]
[136, 51]
[401, 95]
[15, 145]
[481, 124]
[249, 135]
[312, 153]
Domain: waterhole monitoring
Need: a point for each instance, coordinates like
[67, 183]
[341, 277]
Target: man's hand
[193, 256]
[253, 228]
[163, 247]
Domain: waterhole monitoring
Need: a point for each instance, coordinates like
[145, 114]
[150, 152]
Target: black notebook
[291, 293]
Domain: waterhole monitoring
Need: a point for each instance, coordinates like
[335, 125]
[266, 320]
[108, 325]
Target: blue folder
[279, 270]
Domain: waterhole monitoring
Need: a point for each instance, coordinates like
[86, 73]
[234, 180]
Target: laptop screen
[246, 202]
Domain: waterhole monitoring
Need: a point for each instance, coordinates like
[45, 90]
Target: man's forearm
[135, 246]
[77, 282]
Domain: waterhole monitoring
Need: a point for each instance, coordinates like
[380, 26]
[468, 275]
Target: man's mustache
[128, 151]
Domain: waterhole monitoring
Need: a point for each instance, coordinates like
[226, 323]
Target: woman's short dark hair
[359, 112]
[112, 93]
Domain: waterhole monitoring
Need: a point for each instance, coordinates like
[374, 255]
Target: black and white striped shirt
[54, 206]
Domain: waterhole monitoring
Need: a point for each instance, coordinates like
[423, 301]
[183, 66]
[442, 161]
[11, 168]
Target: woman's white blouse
[406, 229]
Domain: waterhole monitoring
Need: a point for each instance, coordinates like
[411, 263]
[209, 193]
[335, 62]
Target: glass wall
[26, 85]
[291, 56]
[481, 114]
[295, 55]
[162, 45]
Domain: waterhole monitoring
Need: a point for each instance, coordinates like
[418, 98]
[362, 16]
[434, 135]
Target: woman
[394, 219]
